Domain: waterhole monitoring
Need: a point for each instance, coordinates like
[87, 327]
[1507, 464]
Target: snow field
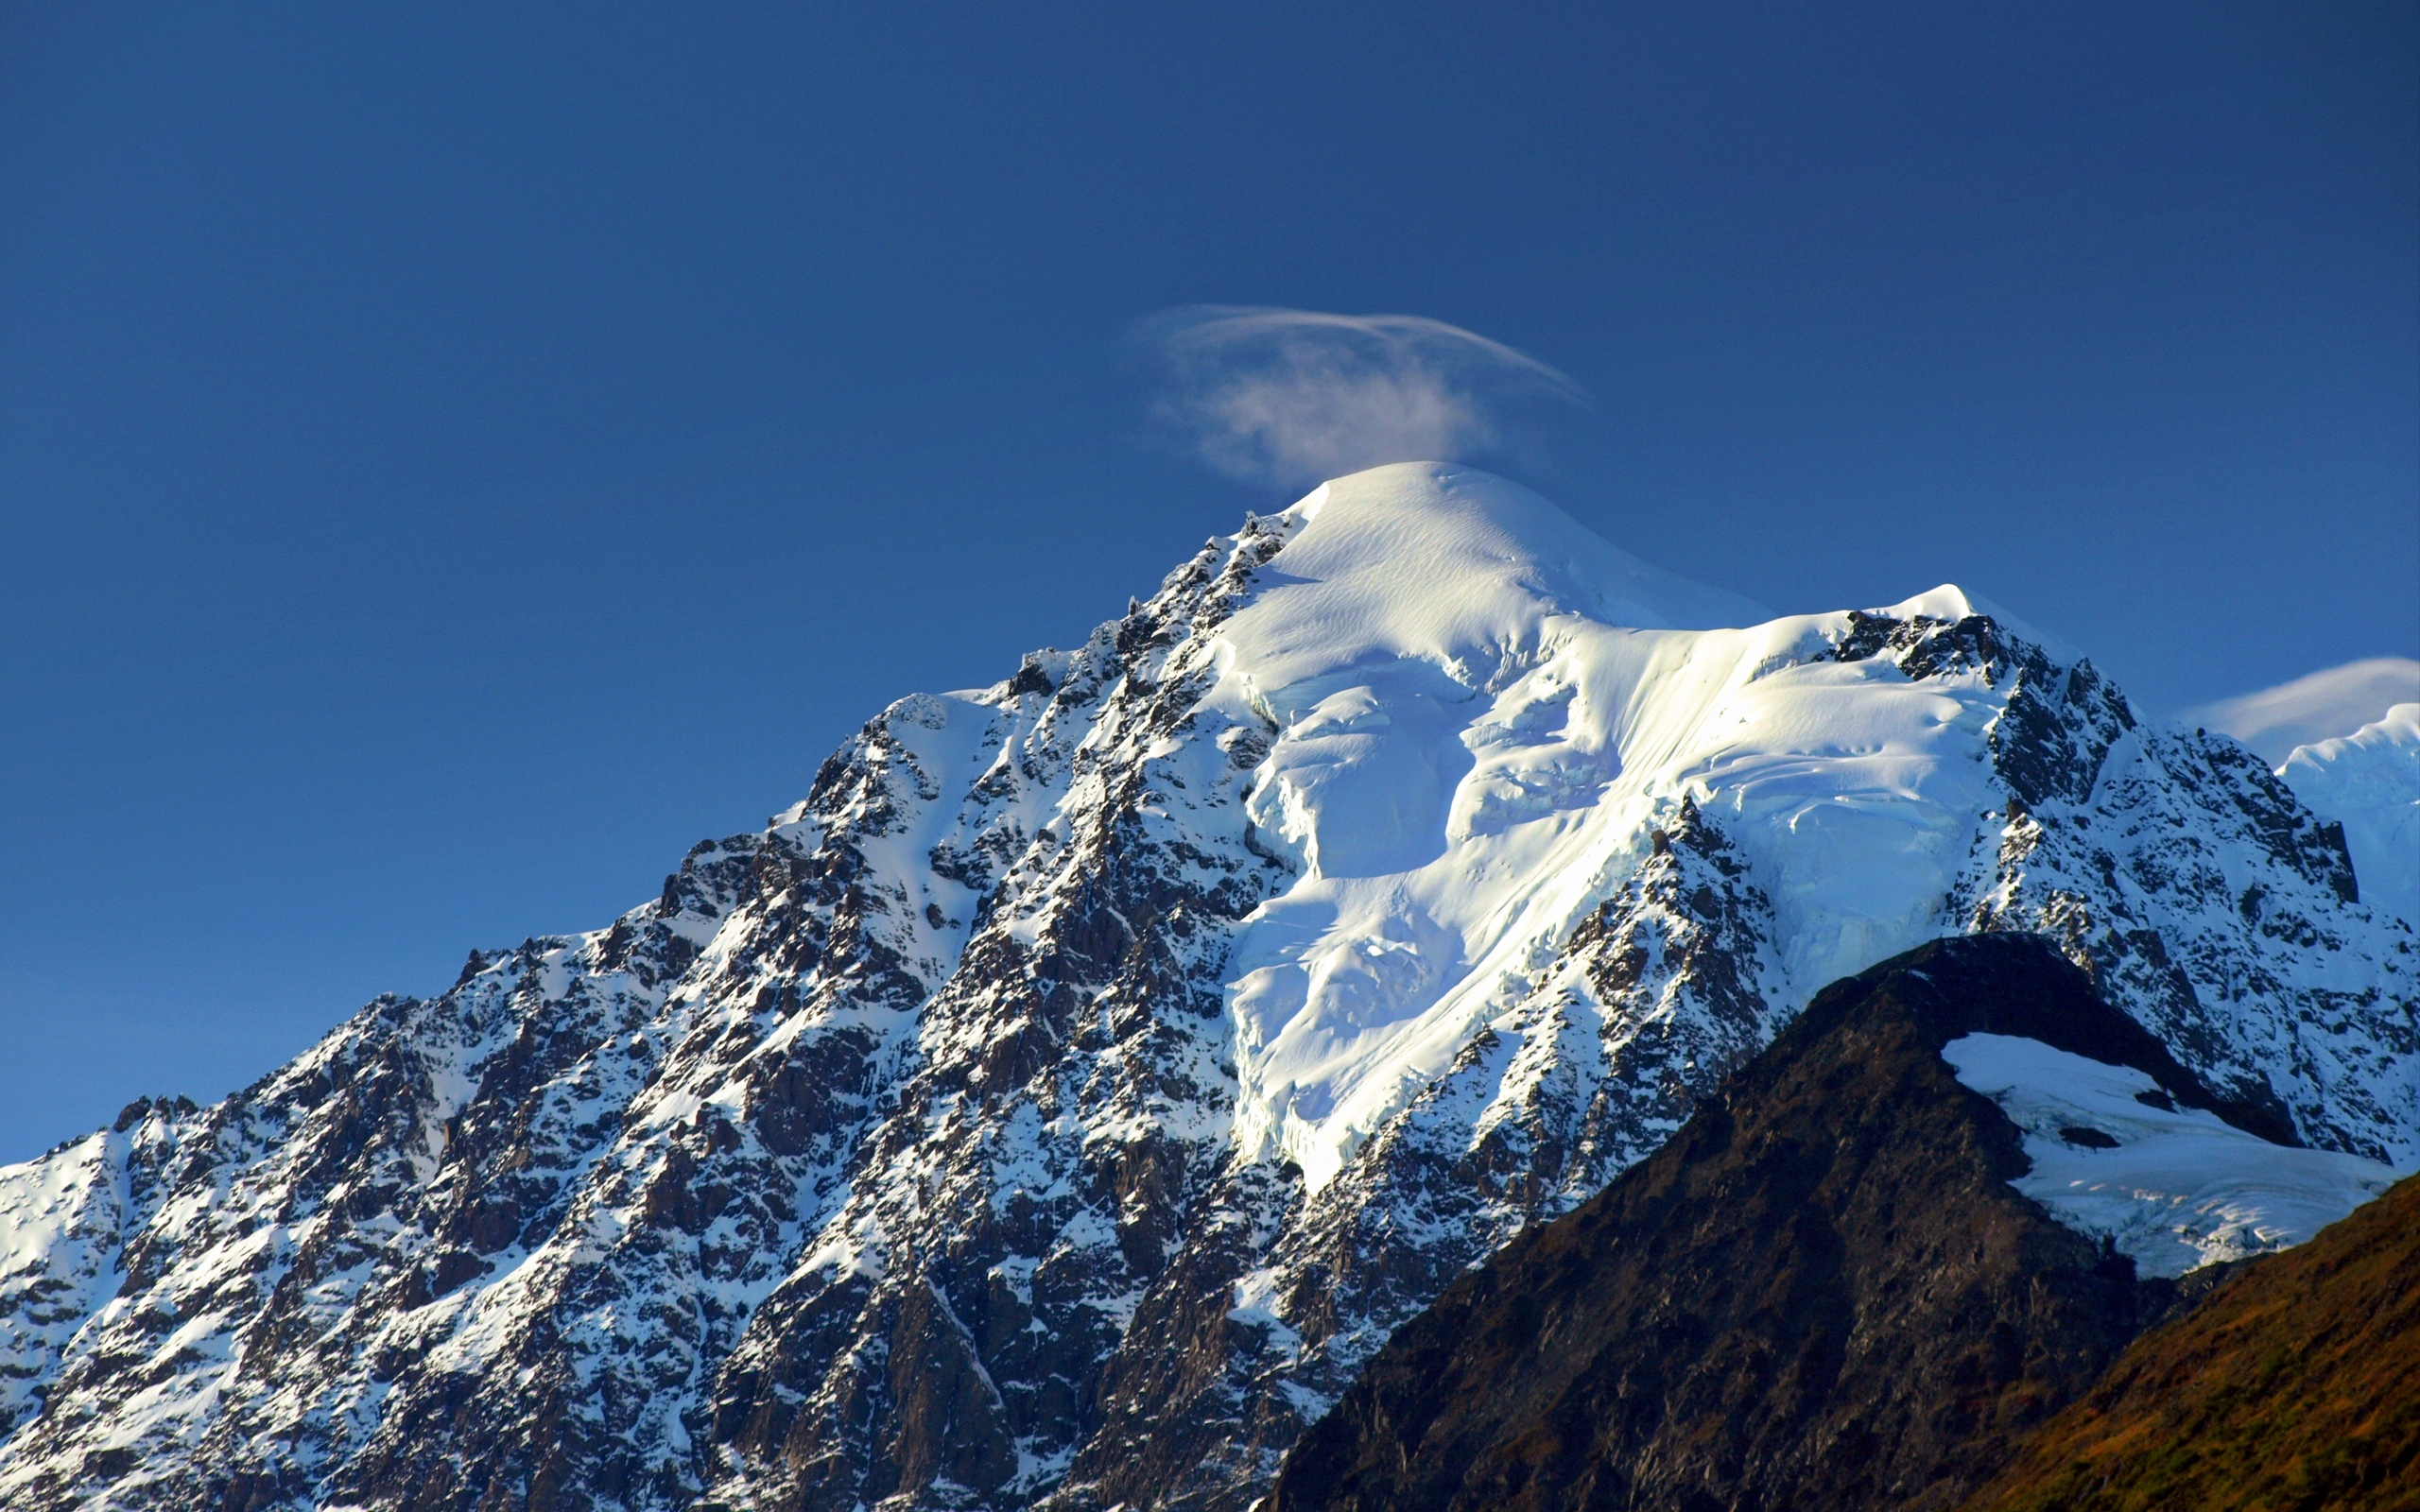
[2175, 1188]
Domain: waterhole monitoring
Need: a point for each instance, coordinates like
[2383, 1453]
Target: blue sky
[452, 458]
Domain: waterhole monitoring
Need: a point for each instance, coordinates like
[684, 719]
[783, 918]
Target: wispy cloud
[2320, 706]
[1294, 396]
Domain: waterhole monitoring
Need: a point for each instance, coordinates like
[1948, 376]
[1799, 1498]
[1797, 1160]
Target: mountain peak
[1953, 603]
[1432, 559]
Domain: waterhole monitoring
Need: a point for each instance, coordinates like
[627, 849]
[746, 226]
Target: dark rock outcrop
[1821, 1294]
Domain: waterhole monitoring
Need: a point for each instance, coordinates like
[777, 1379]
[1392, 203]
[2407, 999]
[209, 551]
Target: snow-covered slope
[2369, 781]
[1064, 1099]
[2176, 1188]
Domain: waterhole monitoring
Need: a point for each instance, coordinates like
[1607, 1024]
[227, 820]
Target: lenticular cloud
[1294, 396]
[2318, 706]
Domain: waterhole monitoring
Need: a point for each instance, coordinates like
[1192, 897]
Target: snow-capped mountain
[2369, 781]
[1061, 1101]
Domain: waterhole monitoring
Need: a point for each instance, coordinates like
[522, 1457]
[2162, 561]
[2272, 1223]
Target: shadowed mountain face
[1823, 1294]
[2298, 1384]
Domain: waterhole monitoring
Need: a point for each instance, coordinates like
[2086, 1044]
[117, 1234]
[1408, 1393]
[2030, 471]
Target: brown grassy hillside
[2294, 1389]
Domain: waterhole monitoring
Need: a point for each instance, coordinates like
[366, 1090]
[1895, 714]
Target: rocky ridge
[1823, 1294]
[1065, 1101]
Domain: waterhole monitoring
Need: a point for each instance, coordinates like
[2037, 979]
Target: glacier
[1057, 1106]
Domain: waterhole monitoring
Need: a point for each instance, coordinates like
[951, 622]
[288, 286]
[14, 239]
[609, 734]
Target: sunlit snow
[2179, 1188]
[2370, 782]
[1473, 693]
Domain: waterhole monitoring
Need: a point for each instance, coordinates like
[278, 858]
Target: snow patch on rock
[2175, 1188]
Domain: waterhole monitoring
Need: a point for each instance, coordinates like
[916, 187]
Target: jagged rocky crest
[1064, 1102]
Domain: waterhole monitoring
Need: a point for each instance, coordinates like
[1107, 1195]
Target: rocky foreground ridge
[1825, 1293]
[1063, 1103]
[2296, 1384]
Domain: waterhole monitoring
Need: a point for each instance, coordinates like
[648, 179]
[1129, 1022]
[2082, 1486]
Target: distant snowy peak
[2369, 781]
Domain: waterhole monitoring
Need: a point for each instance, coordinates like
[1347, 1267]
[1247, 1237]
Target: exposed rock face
[1822, 1293]
[1067, 1098]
